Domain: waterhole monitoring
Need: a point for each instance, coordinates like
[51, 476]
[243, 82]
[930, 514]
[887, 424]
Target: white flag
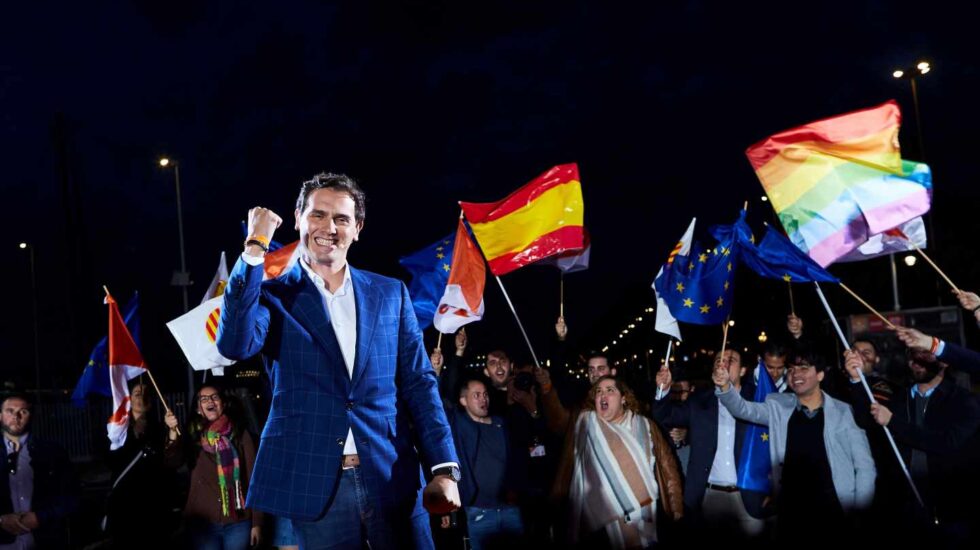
[666, 323]
[899, 239]
[197, 331]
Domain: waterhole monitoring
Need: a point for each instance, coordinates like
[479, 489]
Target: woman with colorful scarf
[220, 455]
[622, 465]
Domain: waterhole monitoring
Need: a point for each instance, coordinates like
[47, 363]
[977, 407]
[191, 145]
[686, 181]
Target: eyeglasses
[214, 398]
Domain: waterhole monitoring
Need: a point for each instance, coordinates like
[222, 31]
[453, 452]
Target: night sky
[426, 103]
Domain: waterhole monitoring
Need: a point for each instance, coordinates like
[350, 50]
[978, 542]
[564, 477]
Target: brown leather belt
[723, 488]
[351, 461]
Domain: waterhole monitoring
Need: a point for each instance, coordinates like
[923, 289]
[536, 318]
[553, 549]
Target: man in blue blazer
[351, 384]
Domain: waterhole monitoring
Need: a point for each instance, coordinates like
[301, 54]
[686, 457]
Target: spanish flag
[541, 219]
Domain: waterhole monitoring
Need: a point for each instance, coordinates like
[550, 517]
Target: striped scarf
[217, 441]
[613, 484]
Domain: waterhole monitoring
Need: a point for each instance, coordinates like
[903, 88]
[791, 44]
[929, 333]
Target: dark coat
[55, 493]
[699, 414]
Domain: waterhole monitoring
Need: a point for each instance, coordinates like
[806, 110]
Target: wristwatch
[451, 471]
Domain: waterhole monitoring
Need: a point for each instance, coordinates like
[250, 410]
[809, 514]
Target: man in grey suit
[821, 460]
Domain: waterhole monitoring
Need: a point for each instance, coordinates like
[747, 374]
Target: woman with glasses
[220, 454]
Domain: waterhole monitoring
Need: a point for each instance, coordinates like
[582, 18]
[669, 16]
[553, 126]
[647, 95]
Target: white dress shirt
[723, 471]
[342, 310]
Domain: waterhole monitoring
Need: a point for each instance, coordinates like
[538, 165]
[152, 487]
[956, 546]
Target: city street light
[37, 347]
[181, 278]
[912, 74]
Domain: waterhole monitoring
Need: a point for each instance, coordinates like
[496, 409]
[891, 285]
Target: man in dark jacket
[934, 423]
[494, 473]
[37, 489]
[715, 438]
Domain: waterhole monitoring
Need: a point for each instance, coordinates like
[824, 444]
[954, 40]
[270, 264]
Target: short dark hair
[598, 355]
[867, 340]
[26, 398]
[337, 182]
[464, 384]
[775, 347]
[805, 355]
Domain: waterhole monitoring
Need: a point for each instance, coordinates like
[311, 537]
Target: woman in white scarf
[621, 461]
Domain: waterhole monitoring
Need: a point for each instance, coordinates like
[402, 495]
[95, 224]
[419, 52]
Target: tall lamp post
[182, 278]
[37, 346]
[912, 74]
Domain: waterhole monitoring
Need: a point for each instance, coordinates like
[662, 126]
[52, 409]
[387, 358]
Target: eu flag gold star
[726, 285]
[729, 266]
[787, 277]
[705, 308]
[440, 255]
[680, 287]
[719, 301]
[765, 436]
[445, 267]
[702, 258]
[439, 248]
[688, 302]
[725, 251]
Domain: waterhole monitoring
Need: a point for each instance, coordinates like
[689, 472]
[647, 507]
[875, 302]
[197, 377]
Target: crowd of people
[371, 442]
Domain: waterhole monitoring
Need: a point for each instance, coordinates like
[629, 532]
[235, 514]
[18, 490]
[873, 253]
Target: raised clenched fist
[262, 222]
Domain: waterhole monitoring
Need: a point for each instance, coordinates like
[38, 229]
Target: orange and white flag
[462, 303]
[125, 363]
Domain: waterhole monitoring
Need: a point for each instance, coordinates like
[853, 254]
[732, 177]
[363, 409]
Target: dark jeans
[491, 528]
[214, 536]
[353, 520]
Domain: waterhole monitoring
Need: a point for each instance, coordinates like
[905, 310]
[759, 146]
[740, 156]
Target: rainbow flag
[837, 182]
[541, 219]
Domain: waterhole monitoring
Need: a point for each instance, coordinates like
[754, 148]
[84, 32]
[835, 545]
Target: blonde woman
[622, 465]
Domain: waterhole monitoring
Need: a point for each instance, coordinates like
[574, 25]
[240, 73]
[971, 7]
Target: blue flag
[754, 463]
[697, 287]
[95, 376]
[775, 257]
[430, 273]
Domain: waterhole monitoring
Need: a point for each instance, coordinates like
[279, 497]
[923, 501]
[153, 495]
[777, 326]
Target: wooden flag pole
[561, 293]
[724, 335]
[519, 324]
[867, 305]
[792, 307]
[666, 365]
[867, 390]
[150, 374]
[934, 266]
[439, 340]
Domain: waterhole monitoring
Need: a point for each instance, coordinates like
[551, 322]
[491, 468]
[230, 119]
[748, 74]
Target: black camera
[524, 381]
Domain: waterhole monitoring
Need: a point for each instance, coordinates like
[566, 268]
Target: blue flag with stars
[95, 376]
[754, 463]
[698, 288]
[776, 257]
[430, 271]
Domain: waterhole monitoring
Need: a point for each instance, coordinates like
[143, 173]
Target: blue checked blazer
[315, 402]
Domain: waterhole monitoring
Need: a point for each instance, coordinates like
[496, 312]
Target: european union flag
[754, 463]
[95, 376]
[698, 288]
[430, 272]
[775, 257]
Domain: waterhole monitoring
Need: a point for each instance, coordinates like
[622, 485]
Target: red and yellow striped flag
[541, 219]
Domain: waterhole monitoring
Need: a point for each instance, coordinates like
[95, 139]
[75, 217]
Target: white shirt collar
[321, 284]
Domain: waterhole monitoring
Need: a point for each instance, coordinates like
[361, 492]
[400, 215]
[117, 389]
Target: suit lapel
[368, 302]
[310, 312]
